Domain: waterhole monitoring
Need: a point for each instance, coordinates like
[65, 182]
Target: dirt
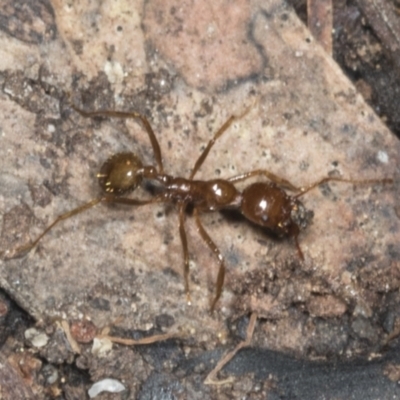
[327, 325]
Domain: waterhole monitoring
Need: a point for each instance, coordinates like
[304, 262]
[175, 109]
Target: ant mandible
[263, 203]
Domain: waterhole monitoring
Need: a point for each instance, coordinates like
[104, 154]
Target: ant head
[119, 174]
[267, 205]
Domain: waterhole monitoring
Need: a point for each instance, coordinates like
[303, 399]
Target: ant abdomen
[119, 174]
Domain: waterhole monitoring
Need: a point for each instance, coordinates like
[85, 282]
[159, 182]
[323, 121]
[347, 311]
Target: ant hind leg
[128, 114]
[22, 250]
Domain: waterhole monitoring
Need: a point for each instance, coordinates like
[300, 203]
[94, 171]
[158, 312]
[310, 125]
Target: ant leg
[211, 143]
[213, 247]
[182, 233]
[337, 179]
[128, 114]
[211, 378]
[22, 250]
[133, 202]
[271, 176]
[296, 241]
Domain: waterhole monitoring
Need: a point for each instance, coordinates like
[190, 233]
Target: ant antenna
[344, 180]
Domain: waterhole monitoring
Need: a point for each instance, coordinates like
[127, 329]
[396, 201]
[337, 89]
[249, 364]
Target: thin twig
[211, 378]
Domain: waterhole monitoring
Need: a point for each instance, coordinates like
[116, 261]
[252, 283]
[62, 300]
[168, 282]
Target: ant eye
[119, 174]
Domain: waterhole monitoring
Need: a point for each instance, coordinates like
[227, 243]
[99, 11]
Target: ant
[264, 203]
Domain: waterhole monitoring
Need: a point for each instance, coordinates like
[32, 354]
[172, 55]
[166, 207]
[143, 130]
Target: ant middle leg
[182, 233]
[344, 180]
[263, 172]
[211, 143]
[213, 247]
[128, 114]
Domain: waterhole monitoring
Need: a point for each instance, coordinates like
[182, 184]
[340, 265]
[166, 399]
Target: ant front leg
[213, 247]
[128, 114]
[263, 172]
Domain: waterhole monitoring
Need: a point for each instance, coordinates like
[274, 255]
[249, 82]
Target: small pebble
[36, 338]
[106, 385]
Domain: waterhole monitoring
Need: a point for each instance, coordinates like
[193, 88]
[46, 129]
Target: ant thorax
[212, 195]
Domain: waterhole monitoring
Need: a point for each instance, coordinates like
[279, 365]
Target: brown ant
[263, 203]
